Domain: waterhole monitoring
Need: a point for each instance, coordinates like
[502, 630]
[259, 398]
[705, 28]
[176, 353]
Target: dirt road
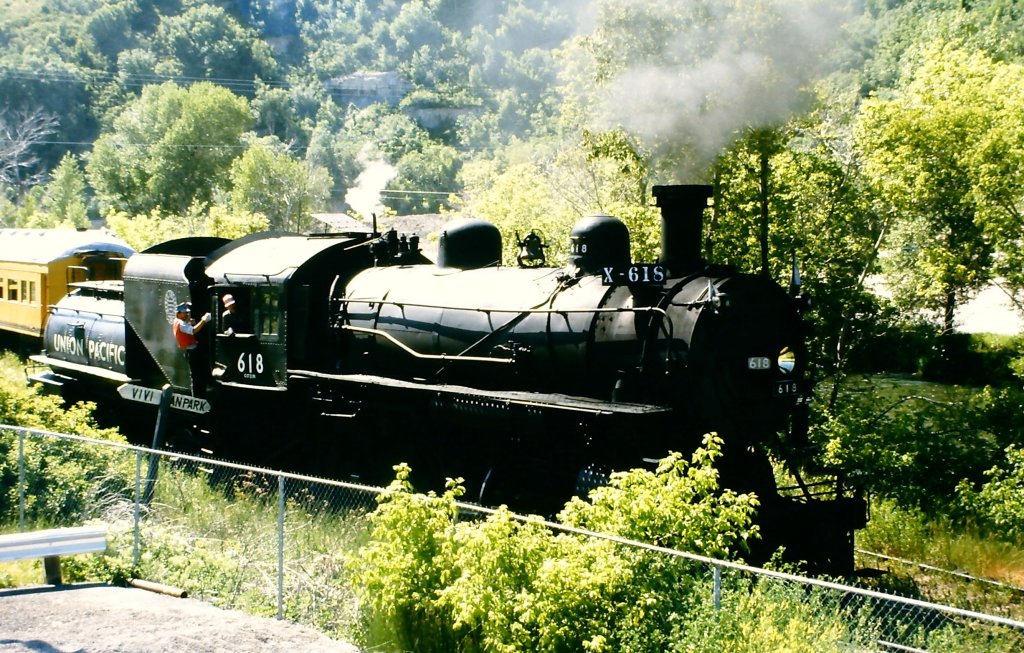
[104, 619]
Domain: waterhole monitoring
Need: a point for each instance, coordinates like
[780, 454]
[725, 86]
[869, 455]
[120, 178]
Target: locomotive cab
[280, 286]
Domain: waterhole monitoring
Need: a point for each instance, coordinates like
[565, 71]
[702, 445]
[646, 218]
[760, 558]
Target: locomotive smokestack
[682, 224]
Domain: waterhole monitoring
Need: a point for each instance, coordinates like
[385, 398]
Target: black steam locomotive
[351, 352]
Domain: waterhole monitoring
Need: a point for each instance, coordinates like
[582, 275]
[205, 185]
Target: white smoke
[740, 65]
[364, 198]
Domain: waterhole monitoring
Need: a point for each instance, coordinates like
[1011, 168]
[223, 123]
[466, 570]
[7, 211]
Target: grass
[216, 536]
[909, 534]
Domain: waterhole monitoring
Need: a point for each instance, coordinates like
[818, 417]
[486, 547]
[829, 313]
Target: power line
[135, 80]
[226, 146]
[400, 191]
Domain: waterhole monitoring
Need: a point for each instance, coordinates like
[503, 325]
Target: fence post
[21, 480]
[162, 413]
[717, 592]
[280, 547]
[138, 500]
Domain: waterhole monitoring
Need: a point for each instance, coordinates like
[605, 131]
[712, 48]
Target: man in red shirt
[185, 331]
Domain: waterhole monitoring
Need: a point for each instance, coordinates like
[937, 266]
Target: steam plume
[719, 68]
[364, 198]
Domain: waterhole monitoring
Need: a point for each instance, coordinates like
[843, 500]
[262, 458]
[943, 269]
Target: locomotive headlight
[787, 360]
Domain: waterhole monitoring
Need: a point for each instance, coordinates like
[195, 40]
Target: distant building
[365, 88]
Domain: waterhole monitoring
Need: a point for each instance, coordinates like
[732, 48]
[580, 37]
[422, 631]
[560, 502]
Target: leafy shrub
[999, 503]
[916, 449]
[886, 343]
[679, 506]
[974, 359]
[913, 347]
[63, 478]
[429, 582]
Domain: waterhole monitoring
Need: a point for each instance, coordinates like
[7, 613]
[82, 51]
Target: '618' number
[250, 365]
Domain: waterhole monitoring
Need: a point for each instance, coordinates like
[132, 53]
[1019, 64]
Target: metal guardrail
[273, 579]
[50, 544]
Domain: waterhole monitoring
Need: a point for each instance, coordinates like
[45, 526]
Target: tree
[143, 231]
[65, 197]
[935, 153]
[20, 133]
[205, 42]
[268, 181]
[275, 115]
[168, 149]
[517, 198]
[429, 175]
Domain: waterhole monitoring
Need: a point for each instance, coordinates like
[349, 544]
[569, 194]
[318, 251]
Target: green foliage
[408, 559]
[945, 154]
[205, 42]
[679, 506]
[999, 503]
[100, 567]
[427, 581]
[145, 230]
[914, 448]
[169, 149]
[918, 348]
[269, 182]
[65, 198]
[517, 200]
[62, 479]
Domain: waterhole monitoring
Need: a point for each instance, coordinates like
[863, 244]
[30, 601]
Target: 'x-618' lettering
[636, 274]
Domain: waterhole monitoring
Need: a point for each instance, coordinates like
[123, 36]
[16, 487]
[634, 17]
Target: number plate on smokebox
[787, 389]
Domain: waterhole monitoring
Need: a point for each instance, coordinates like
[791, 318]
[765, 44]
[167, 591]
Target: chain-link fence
[272, 543]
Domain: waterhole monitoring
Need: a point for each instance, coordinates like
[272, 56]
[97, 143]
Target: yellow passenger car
[37, 267]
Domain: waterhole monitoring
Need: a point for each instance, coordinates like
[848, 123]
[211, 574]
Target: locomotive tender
[530, 382]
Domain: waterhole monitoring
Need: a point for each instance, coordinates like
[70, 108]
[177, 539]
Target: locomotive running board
[512, 397]
[57, 364]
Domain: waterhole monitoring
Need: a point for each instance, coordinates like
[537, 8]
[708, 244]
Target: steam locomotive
[352, 352]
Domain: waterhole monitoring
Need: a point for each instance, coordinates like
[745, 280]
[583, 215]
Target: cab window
[268, 316]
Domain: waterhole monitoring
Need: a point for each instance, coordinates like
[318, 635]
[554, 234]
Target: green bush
[999, 503]
[890, 345]
[679, 506]
[429, 582]
[976, 359]
[65, 481]
[916, 449]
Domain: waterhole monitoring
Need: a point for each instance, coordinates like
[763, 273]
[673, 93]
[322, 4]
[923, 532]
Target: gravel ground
[96, 618]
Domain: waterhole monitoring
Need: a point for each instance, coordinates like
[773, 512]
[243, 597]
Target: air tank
[87, 329]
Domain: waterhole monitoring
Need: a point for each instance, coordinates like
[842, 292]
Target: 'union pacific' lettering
[106, 352]
[71, 345]
[100, 351]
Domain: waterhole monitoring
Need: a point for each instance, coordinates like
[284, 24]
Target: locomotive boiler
[353, 352]
[554, 376]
